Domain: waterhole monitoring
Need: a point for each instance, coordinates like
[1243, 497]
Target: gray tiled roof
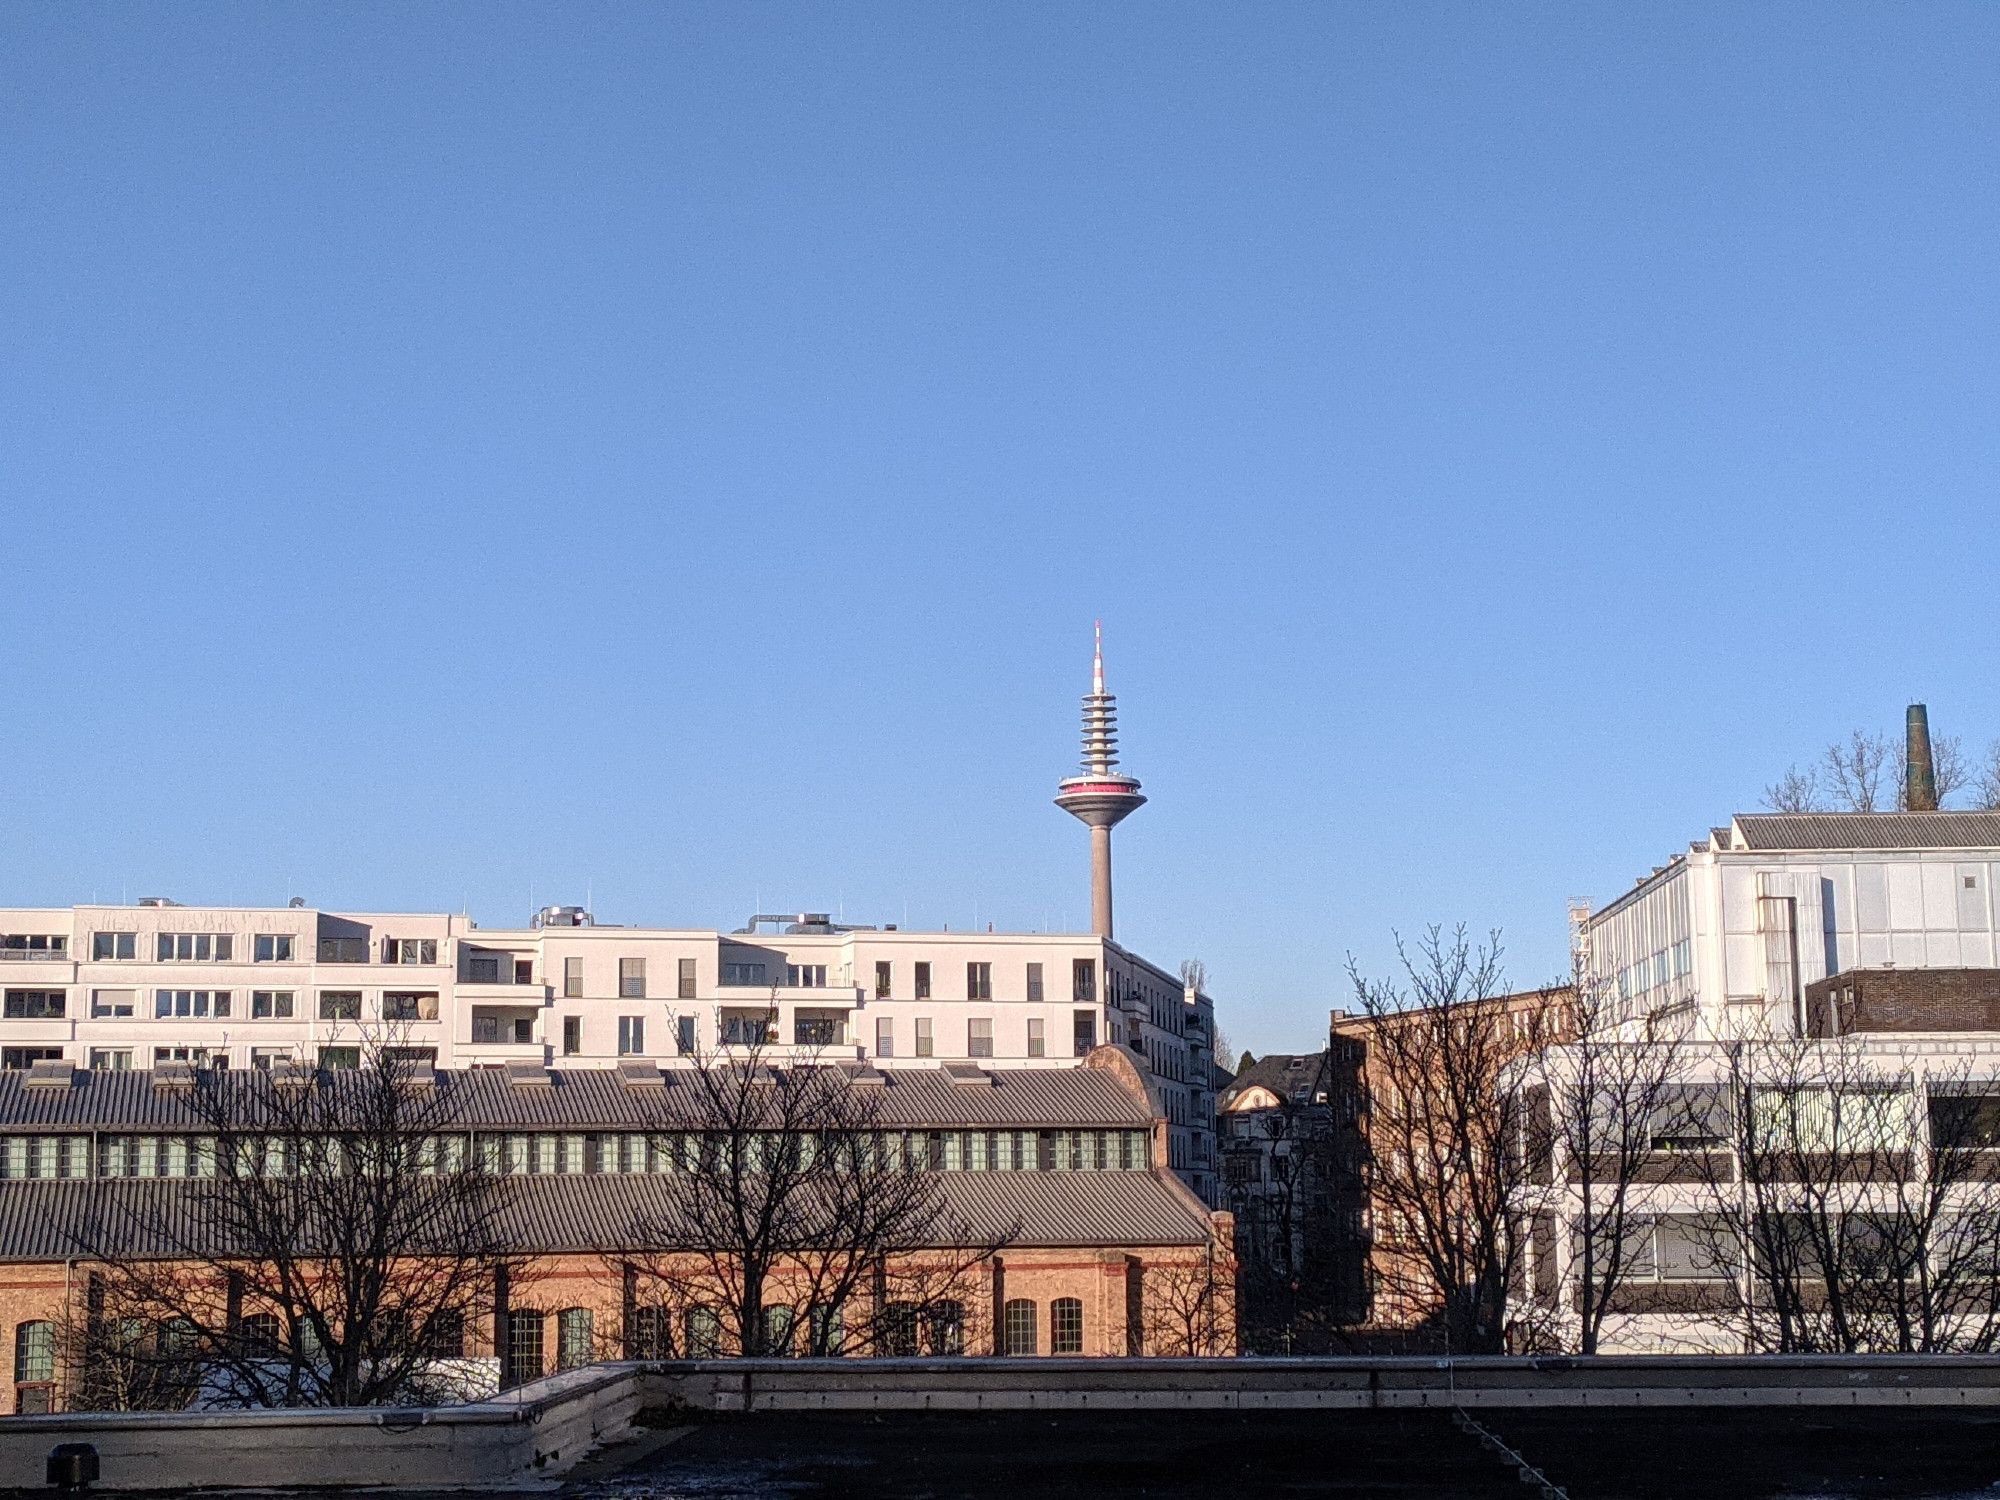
[53, 1220]
[1277, 1073]
[1894, 830]
[597, 1099]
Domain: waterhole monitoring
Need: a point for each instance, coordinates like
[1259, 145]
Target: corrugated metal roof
[597, 1099]
[1891, 830]
[56, 1220]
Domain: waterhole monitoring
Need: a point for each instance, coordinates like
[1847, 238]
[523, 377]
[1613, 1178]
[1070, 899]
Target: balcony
[502, 992]
[510, 1027]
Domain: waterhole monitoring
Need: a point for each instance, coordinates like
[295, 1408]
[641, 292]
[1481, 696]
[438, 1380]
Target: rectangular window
[816, 1031]
[1038, 1045]
[684, 1035]
[572, 1035]
[572, 978]
[524, 1346]
[271, 1005]
[1034, 983]
[631, 1035]
[979, 1037]
[1066, 1326]
[885, 1037]
[105, 946]
[27, 947]
[631, 979]
[923, 981]
[405, 1006]
[340, 1005]
[183, 1005]
[483, 968]
[36, 1005]
[340, 1057]
[743, 975]
[883, 972]
[409, 950]
[686, 986]
[1083, 980]
[195, 947]
[923, 1036]
[746, 1028]
[27, 1057]
[1085, 1033]
[806, 976]
[524, 971]
[272, 948]
[113, 1002]
[1018, 1328]
[979, 981]
[110, 1059]
[347, 950]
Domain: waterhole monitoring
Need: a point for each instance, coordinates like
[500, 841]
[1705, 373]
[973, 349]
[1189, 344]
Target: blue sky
[474, 456]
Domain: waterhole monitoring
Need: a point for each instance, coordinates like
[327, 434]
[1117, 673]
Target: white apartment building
[1728, 934]
[114, 987]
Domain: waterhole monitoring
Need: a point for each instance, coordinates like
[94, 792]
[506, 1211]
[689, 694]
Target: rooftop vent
[174, 1078]
[635, 1074]
[51, 1073]
[528, 1075]
[292, 1072]
[157, 901]
[563, 916]
[870, 1078]
[970, 1076]
[297, 903]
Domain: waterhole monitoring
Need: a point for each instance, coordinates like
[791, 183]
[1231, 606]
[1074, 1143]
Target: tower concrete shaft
[1101, 796]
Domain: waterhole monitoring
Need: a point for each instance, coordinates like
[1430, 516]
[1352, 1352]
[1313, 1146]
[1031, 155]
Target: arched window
[944, 1328]
[34, 1352]
[524, 1345]
[1066, 1326]
[261, 1333]
[897, 1337]
[573, 1342]
[704, 1332]
[445, 1337]
[1017, 1328]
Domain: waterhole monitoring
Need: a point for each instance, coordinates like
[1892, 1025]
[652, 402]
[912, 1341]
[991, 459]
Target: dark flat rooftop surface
[1660, 1455]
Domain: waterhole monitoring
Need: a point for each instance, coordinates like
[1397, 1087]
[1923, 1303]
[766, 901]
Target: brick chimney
[1919, 775]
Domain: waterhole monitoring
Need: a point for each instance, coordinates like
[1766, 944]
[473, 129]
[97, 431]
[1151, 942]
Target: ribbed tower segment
[1101, 796]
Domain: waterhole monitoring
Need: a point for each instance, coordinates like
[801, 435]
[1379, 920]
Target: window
[743, 974]
[182, 1004]
[685, 986]
[806, 976]
[923, 1036]
[684, 1035]
[1066, 1326]
[524, 1346]
[272, 948]
[271, 1005]
[897, 1337]
[1085, 1033]
[826, 1330]
[779, 1325]
[1037, 1043]
[1018, 1334]
[631, 979]
[1962, 1122]
[1034, 983]
[407, 1005]
[32, 946]
[631, 1035]
[199, 1056]
[34, 1352]
[483, 968]
[524, 971]
[944, 1328]
[445, 1338]
[113, 1002]
[347, 950]
[979, 981]
[105, 946]
[36, 1005]
[923, 981]
[816, 1030]
[572, 1035]
[340, 1057]
[573, 1341]
[885, 1037]
[340, 1005]
[194, 947]
[27, 1057]
[746, 1028]
[261, 1058]
[652, 1333]
[409, 950]
[1083, 980]
[704, 1332]
[572, 978]
[883, 974]
[979, 1037]
[110, 1059]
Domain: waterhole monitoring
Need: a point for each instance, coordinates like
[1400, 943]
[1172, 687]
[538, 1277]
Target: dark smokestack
[1919, 775]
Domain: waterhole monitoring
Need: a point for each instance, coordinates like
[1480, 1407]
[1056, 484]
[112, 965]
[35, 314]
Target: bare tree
[1986, 780]
[1795, 792]
[1610, 1104]
[1950, 770]
[1283, 1219]
[796, 1220]
[1854, 769]
[1186, 1307]
[1443, 1133]
[331, 1248]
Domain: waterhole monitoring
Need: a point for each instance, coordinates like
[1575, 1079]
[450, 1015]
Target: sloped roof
[599, 1099]
[54, 1220]
[1282, 1073]
[1890, 830]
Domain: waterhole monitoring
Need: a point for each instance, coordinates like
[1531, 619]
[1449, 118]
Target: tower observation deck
[1100, 796]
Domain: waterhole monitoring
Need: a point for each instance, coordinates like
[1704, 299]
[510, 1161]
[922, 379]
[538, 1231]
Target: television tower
[1101, 796]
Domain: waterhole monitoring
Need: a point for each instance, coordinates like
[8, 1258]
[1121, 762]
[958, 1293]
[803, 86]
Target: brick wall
[1866, 1000]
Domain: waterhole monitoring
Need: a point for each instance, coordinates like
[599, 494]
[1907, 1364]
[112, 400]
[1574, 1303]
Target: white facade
[132, 986]
[1730, 933]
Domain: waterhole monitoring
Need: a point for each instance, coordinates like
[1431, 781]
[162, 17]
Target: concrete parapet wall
[1333, 1384]
[543, 1429]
